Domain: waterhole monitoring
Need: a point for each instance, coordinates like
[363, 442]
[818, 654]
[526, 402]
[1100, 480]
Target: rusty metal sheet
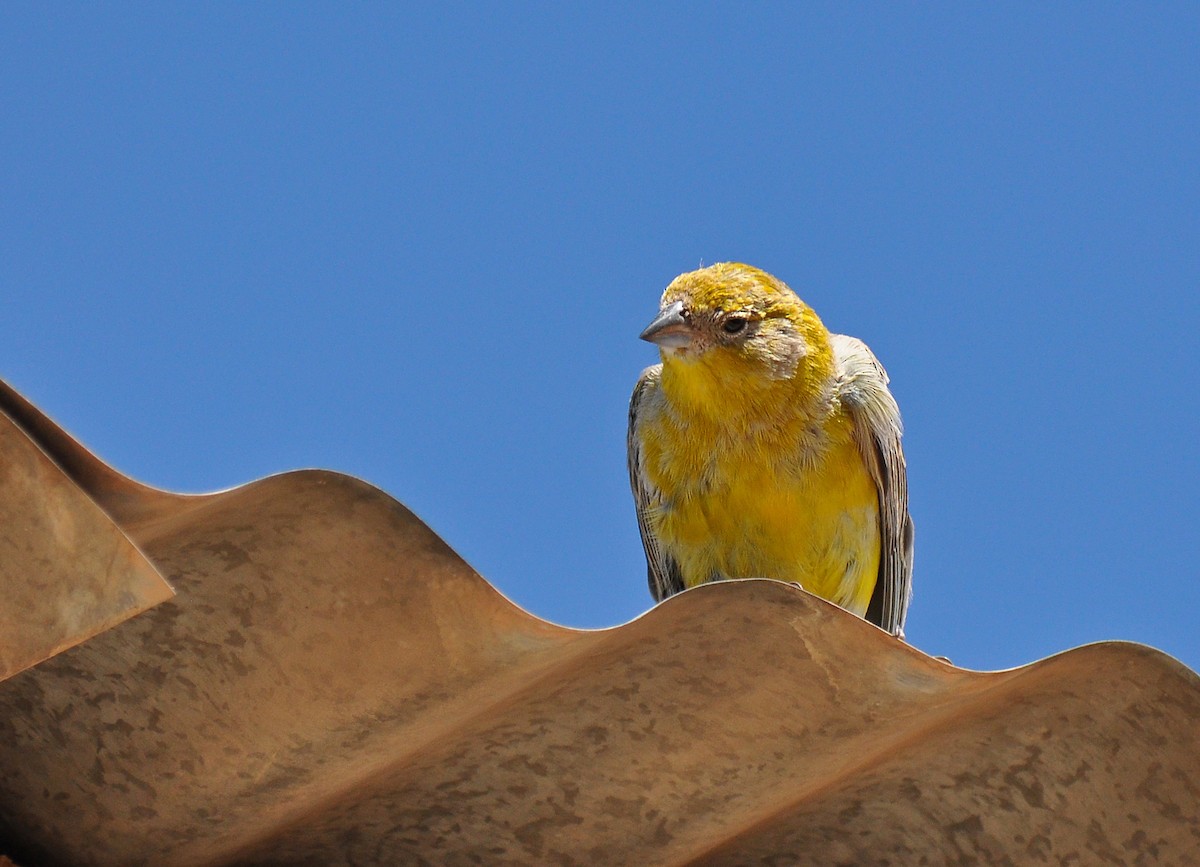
[333, 685]
[67, 572]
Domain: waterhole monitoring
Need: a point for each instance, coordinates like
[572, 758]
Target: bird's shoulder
[861, 384]
[647, 395]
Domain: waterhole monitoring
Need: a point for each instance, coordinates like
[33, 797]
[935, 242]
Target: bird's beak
[670, 329]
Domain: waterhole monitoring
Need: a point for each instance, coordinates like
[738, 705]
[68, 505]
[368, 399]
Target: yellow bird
[765, 447]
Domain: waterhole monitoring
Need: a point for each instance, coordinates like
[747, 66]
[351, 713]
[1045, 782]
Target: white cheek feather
[780, 347]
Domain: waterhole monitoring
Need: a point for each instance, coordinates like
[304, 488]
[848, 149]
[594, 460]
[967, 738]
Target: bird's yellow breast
[787, 497]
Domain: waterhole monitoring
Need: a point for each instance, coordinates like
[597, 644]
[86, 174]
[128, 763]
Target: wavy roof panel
[331, 684]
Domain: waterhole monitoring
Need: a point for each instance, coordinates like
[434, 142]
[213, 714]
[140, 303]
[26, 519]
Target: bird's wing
[663, 572]
[862, 389]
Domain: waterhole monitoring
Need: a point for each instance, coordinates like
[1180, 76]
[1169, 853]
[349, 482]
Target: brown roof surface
[331, 684]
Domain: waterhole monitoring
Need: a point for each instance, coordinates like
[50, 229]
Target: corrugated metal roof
[331, 684]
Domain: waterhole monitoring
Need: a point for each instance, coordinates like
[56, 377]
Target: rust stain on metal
[334, 685]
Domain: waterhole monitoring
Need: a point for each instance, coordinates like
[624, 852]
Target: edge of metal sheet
[67, 571]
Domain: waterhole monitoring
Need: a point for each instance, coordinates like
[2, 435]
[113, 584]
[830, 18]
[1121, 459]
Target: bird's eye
[733, 325]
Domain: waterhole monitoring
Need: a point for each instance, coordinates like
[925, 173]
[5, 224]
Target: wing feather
[663, 572]
[862, 389]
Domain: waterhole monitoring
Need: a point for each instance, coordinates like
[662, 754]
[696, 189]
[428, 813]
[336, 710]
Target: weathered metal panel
[333, 685]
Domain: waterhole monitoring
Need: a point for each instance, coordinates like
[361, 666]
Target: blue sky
[417, 246]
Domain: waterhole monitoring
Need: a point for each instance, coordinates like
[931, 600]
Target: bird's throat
[727, 390]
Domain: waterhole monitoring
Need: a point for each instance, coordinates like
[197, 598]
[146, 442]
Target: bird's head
[731, 320]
